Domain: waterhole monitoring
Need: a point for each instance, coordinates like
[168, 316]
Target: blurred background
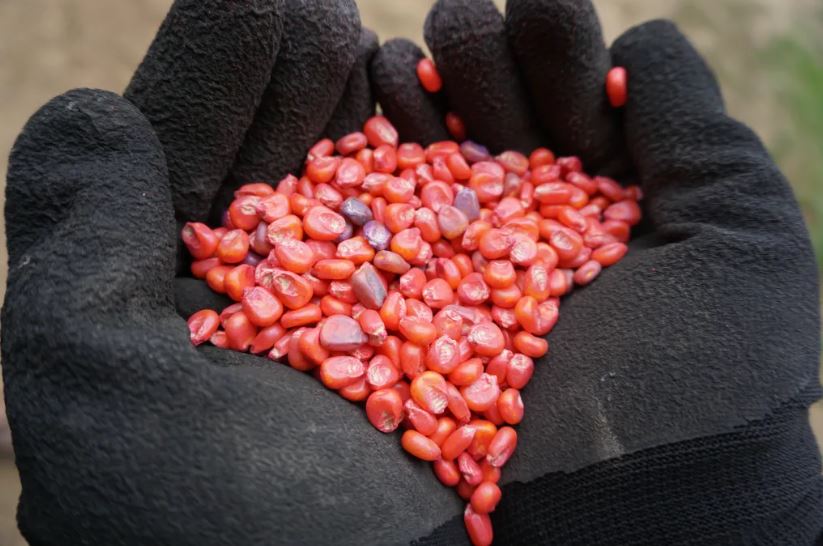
[768, 55]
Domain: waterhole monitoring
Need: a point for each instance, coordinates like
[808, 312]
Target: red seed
[445, 426]
[502, 446]
[412, 359]
[323, 224]
[443, 355]
[616, 86]
[457, 442]
[437, 294]
[428, 76]
[467, 372]
[240, 332]
[407, 243]
[384, 159]
[381, 373]
[625, 211]
[490, 473]
[261, 306]
[446, 472]
[283, 228]
[452, 222]
[420, 446]
[458, 406]
[435, 195]
[484, 433]
[321, 169]
[233, 247]
[510, 406]
[482, 394]
[587, 272]
[391, 262]
[351, 143]
[200, 240]
[333, 269]
[410, 155]
[368, 288]
[519, 370]
[486, 339]
[341, 333]
[350, 173]
[229, 311]
[266, 338]
[306, 315]
[486, 497]
[201, 268]
[429, 391]
[421, 420]
[309, 344]
[411, 283]
[281, 347]
[202, 325]
[478, 526]
[473, 290]
[469, 469]
[499, 366]
[499, 273]
[295, 256]
[292, 290]
[493, 415]
[356, 392]
[609, 254]
[464, 490]
[416, 330]
[384, 409]
[238, 280]
[455, 126]
[449, 323]
[379, 130]
[372, 325]
[338, 371]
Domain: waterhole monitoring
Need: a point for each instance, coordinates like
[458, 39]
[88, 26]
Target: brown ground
[49, 46]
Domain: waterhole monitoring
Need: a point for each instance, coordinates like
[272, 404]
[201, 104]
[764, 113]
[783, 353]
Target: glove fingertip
[559, 48]
[199, 85]
[468, 41]
[317, 52]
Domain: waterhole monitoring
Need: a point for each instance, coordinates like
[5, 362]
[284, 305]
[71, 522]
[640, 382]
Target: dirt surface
[49, 46]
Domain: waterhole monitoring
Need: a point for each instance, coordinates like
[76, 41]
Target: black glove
[672, 407]
[124, 433]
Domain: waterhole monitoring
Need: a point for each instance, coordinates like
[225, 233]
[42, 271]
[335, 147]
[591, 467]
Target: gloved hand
[672, 406]
[124, 433]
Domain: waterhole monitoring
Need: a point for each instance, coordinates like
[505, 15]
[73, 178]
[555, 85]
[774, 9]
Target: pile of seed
[420, 281]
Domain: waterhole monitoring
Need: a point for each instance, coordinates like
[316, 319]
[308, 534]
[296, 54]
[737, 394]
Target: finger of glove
[88, 208]
[316, 55]
[357, 103]
[723, 293]
[417, 115]
[559, 48]
[697, 165]
[200, 84]
[468, 41]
